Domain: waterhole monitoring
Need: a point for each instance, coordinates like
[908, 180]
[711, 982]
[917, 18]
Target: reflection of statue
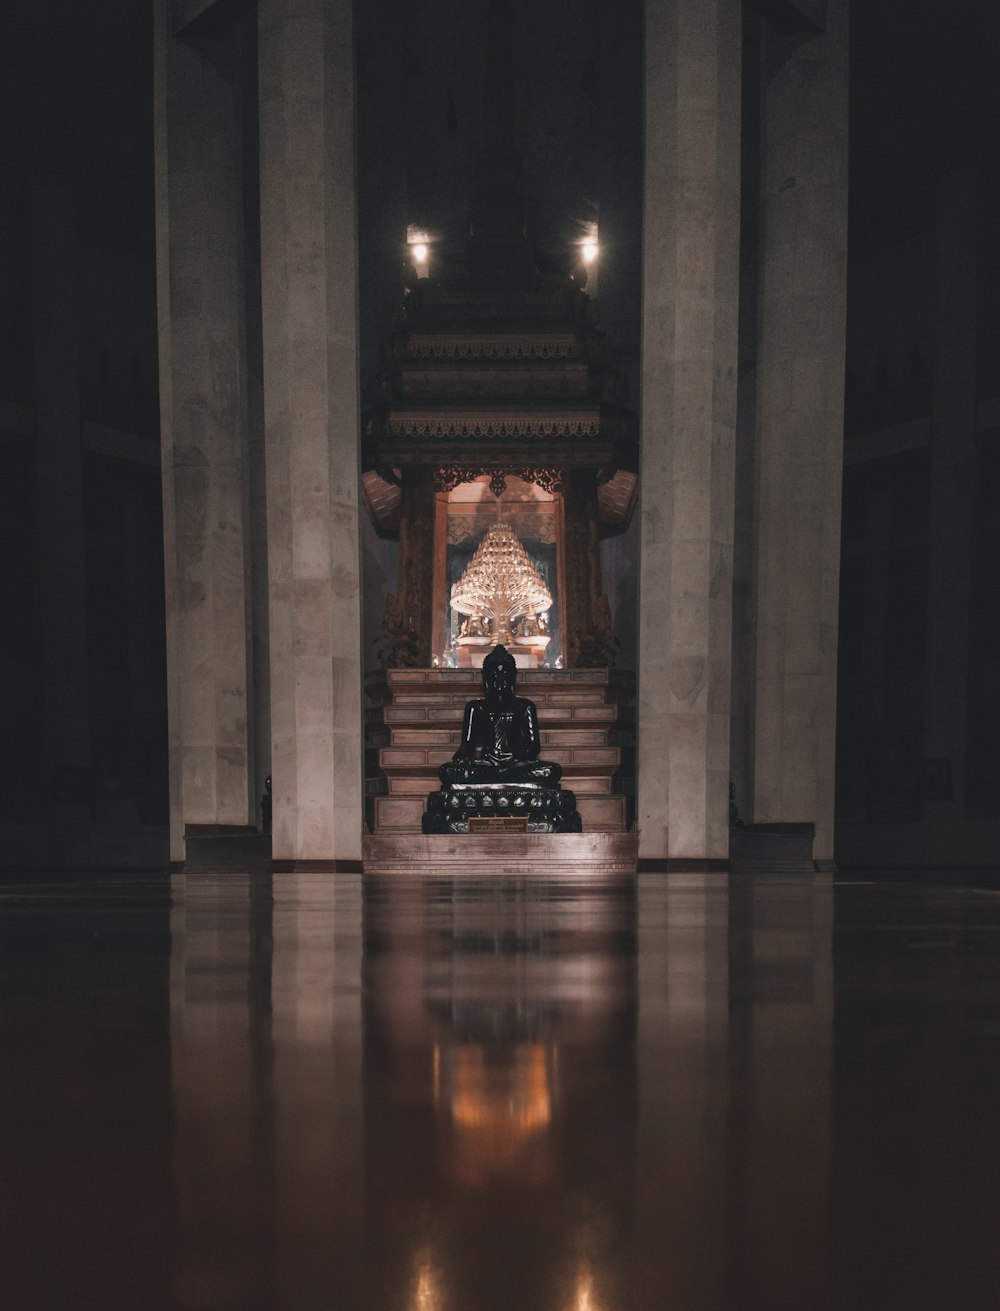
[500, 739]
[496, 770]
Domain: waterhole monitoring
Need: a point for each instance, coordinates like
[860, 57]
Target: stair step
[426, 759]
[594, 785]
[460, 679]
[450, 713]
[583, 736]
[602, 814]
[432, 697]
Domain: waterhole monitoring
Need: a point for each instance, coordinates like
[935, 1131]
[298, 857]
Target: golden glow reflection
[514, 1106]
[497, 1108]
[583, 1299]
[426, 1293]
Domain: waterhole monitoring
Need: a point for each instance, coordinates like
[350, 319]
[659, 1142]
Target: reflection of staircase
[584, 716]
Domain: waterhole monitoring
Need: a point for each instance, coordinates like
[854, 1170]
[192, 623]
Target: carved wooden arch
[450, 476]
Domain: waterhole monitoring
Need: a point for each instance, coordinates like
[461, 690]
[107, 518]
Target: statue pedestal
[584, 856]
[545, 809]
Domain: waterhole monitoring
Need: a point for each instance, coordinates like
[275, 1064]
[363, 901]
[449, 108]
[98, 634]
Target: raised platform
[528, 855]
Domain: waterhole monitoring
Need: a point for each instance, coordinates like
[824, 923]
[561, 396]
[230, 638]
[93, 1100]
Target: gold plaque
[498, 823]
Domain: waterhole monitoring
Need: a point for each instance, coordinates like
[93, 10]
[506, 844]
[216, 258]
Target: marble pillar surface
[202, 400]
[311, 419]
[689, 363]
[800, 424]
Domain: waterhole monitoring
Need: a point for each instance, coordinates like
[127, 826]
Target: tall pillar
[203, 441]
[952, 508]
[690, 296]
[62, 616]
[800, 423]
[309, 308]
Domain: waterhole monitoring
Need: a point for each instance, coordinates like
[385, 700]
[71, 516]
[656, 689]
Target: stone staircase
[414, 725]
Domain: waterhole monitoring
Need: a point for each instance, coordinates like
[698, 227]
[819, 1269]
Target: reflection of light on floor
[495, 1105]
[426, 1296]
[511, 1102]
[584, 1289]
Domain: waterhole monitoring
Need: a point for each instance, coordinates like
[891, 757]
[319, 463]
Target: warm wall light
[589, 248]
[418, 245]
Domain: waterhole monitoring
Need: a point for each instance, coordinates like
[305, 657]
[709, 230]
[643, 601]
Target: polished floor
[229, 1090]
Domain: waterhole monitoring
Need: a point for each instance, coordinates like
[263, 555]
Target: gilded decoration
[465, 528]
[529, 346]
[418, 424]
[450, 476]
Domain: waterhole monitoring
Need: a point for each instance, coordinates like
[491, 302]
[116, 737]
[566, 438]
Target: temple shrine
[397, 434]
[499, 455]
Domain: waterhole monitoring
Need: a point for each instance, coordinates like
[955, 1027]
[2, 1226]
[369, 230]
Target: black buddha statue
[500, 740]
[496, 769]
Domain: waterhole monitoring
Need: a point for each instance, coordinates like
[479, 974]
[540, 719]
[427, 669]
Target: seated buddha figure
[500, 740]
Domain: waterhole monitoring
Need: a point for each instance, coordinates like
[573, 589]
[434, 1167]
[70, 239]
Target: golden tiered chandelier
[501, 584]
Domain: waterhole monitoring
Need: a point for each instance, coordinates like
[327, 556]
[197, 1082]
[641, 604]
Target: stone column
[800, 425]
[690, 295]
[203, 441]
[62, 614]
[309, 304]
[952, 507]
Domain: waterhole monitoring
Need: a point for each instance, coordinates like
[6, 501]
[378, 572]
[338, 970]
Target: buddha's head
[499, 673]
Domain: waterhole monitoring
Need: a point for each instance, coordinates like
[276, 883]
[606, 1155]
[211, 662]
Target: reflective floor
[228, 1090]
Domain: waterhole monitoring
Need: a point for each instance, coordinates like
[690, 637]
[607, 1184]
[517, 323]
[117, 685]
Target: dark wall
[77, 265]
[924, 127]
